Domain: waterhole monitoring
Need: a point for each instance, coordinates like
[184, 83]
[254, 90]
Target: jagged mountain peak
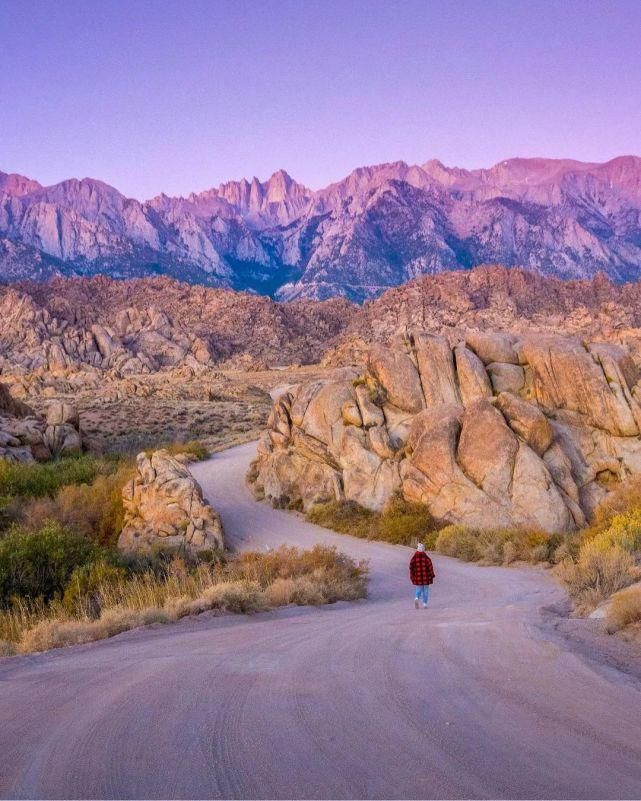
[377, 227]
[17, 185]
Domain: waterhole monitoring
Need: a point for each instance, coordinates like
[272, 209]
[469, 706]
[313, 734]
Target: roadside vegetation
[88, 594]
[401, 523]
[63, 581]
[81, 493]
[597, 563]
[594, 564]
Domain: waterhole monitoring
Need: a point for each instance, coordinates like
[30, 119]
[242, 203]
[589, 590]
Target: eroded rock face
[25, 436]
[164, 506]
[499, 430]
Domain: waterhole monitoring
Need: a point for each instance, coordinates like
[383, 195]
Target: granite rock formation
[496, 430]
[164, 507]
[147, 325]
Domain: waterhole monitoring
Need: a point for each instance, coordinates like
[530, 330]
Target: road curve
[366, 700]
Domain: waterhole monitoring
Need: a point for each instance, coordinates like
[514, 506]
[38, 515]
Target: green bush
[82, 595]
[38, 564]
[41, 479]
[94, 510]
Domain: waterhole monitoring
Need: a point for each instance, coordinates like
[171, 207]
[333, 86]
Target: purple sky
[178, 96]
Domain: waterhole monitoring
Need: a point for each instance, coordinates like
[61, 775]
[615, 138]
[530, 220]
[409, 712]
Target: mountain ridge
[150, 324]
[376, 228]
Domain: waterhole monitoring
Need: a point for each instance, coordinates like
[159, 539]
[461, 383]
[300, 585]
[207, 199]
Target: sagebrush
[401, 522]
[101, 599]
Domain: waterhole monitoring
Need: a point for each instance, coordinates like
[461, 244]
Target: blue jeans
[423, 592]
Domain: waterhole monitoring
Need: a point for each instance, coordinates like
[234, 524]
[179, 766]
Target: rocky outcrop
[498, 430]
[128, 328]
[149, 325]
[26, 436]
[165, 508]
[489, 299]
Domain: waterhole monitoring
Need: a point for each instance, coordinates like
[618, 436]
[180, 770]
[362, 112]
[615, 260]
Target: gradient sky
[178, 96]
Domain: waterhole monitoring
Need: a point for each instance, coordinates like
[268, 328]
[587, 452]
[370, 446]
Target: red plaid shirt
[421, 569]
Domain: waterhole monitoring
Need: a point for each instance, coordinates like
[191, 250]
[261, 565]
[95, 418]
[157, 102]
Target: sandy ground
[471, 698]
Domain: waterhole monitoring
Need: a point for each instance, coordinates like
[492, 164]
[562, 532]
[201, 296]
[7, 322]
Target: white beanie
[420, 547]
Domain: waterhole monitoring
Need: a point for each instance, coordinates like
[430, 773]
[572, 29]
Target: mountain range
[377, 228]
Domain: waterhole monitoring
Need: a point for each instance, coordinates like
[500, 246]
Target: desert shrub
[377, 394]
[40, 479]
[490, 545]
[101, 599]
[406, 523]
[497, 546]
[288, 562]
[510, 552]
[401, 522]
[94, 510]
[458, 541]
[7, 648]
[623, 531]
[624, 609]
[38, 564]
[86, 585]
[346, 517]
[626, 497]
[195, 449]
[597, 574]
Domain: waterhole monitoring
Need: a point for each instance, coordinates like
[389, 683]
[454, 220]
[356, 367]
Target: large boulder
[499, 430]
[164, 507]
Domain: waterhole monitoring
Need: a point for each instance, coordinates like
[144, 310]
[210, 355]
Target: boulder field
[493, 430]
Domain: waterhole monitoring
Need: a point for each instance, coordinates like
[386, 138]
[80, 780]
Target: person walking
[421, 575]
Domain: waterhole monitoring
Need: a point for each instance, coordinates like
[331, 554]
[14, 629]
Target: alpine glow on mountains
[378, 227]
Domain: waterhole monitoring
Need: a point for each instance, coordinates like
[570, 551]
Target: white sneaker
[416, 603]
[424, 606]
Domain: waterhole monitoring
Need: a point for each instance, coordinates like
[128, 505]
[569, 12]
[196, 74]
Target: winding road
[373, 699]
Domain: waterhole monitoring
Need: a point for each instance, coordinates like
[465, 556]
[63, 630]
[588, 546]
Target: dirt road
[368, 700]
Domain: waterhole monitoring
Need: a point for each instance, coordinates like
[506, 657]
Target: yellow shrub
[623, 531]
[626, 497]
[598, 573]
[458, 541]
[625, 608]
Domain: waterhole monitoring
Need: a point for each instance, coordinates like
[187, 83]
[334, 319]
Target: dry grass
[625, 609]
[94, 510]
[625, 498]
[246, 584]
[401, 522]
[193, 449]
[497, 546]
[597, 573]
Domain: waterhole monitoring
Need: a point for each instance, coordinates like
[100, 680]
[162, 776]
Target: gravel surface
[467, 699]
